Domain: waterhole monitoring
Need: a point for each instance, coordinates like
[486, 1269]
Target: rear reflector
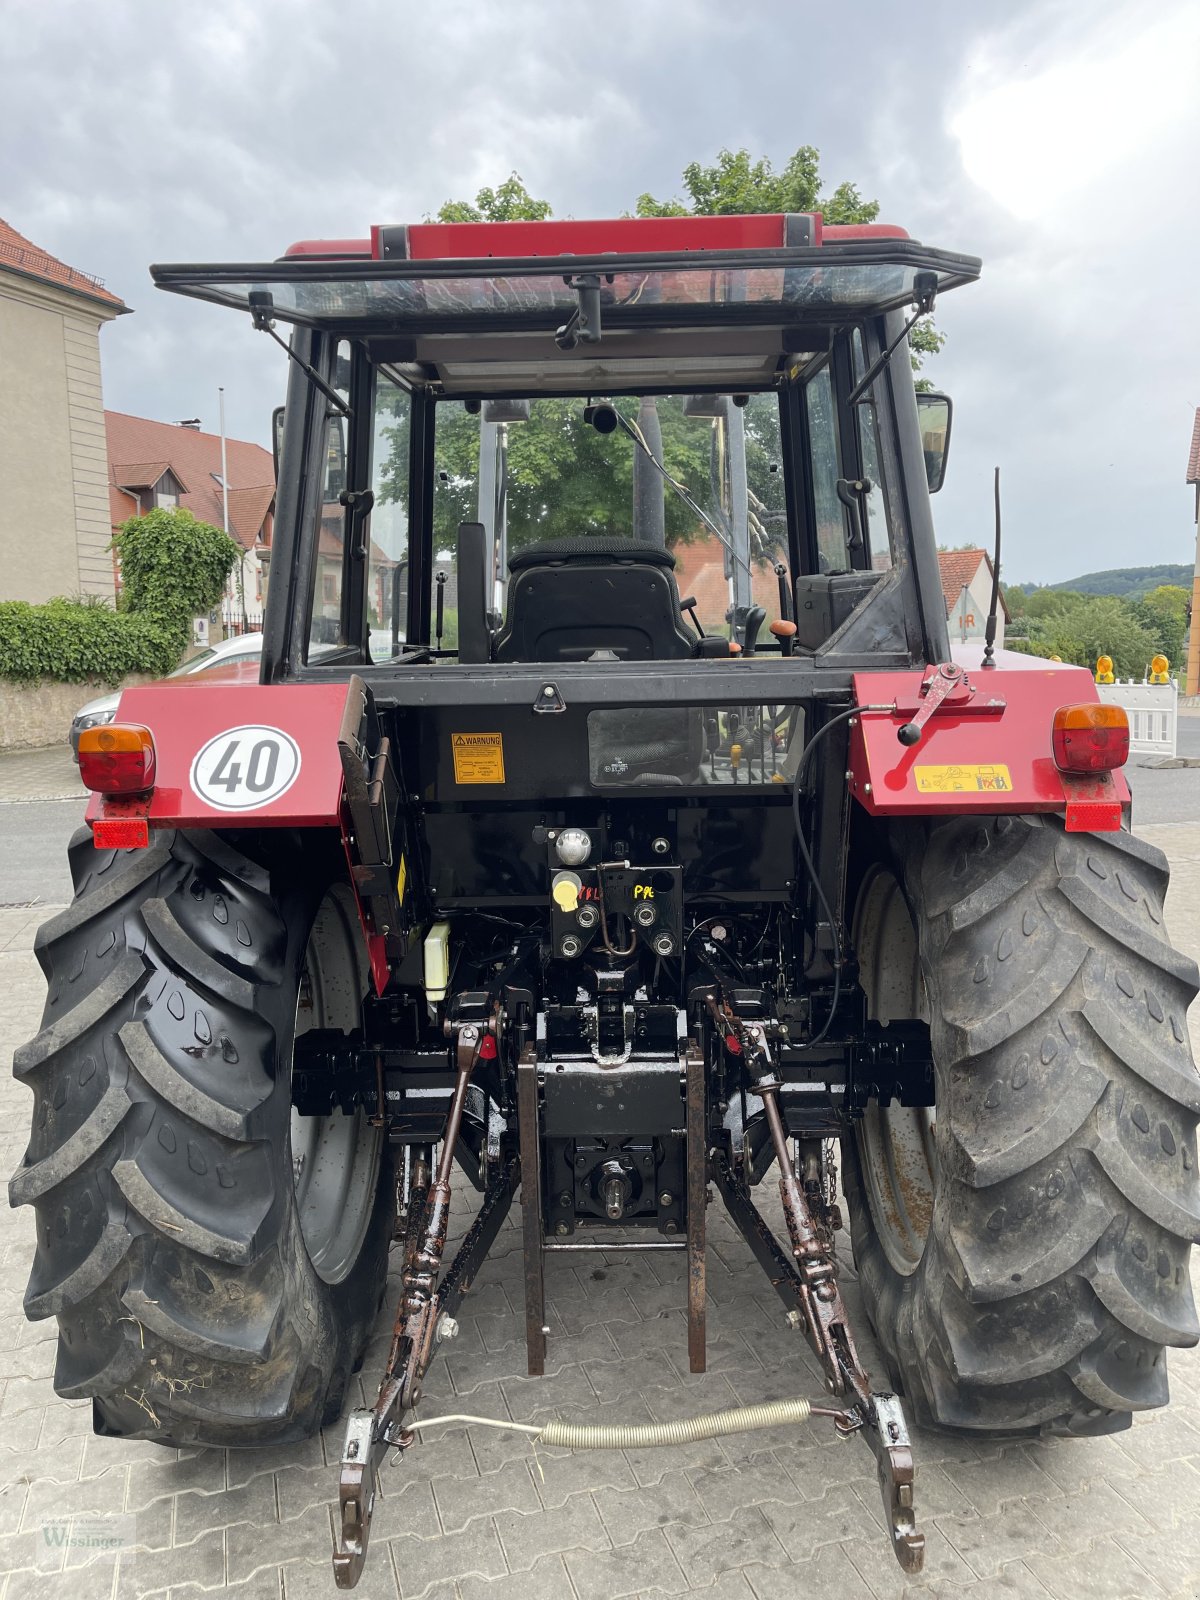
[121, 833]
[1093, 816]
[1090, 738]
[118, 759]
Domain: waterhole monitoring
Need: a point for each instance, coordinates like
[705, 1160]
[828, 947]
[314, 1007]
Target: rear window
[549, 474]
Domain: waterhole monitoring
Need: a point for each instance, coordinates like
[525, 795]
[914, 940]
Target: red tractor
[612, 819]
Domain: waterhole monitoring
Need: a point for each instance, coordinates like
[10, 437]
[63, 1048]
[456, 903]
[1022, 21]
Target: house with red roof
[1193, 478]
[967, 587]
[55, 527]
[154, 465]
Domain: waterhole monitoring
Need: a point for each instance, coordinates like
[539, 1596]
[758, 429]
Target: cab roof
[693, 302]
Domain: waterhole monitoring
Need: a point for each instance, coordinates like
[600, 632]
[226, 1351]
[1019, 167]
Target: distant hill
[1129, 583]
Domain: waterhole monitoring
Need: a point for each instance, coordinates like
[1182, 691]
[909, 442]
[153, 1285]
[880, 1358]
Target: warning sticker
[995, 779]
[478, 757]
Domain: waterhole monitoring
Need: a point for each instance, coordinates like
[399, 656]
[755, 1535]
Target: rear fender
[249, 755]
[989, 752]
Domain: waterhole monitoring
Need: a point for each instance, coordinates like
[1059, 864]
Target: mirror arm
[262, 305]
[583, 325]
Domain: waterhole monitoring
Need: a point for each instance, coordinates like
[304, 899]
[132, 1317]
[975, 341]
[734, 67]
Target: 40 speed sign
[244, 768]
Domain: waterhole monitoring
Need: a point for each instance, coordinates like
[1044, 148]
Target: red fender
[986, 749]
[234, 753]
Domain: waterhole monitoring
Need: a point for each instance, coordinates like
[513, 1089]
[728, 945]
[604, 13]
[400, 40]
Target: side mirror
[277, 437]
[936, 413]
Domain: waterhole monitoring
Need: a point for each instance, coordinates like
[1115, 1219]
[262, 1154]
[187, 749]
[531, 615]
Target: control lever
[784, 628]
[785, 593]
[689, 605]
[755, 618]
[949, 681]
[785, 632]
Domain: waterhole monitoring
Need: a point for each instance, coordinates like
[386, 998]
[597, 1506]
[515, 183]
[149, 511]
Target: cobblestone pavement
[784, 1514]
[49, 774]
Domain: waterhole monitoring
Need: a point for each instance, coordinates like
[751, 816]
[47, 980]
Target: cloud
[1078, 131]
[1056, 139]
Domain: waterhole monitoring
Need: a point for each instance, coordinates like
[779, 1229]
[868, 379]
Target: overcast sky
[1057, 140]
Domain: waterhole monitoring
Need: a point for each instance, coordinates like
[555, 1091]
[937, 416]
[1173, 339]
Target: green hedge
[72, 640]
[172, 566]
[173, 569]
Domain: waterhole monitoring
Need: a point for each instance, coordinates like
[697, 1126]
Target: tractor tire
[1023, 1250]
[214, 1260]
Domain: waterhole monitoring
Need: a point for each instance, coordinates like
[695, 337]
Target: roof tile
[195, 459]
[20, 254]
[958, 568]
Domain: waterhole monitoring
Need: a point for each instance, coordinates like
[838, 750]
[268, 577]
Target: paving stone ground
[479, 1515]
[49, 774]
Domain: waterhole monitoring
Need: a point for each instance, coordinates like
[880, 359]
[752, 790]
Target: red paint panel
[187, 715]
[848, 232]
[1016, 734]
[439, 241]
[329, 247]
[376, 951]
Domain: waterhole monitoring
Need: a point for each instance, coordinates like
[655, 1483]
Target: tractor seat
[572, 598]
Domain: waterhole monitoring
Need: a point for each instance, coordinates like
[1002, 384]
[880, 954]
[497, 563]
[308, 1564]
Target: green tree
[510, 202]
[737, 185]
[1163, 612]
[1081, 627]
[566, 479]
[173, 567]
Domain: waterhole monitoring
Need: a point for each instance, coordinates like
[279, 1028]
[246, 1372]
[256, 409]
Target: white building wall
[968, 614]
[54, 519]
[89, 455]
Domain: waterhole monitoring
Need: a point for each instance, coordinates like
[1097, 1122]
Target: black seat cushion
[579, 551]
[570, 599]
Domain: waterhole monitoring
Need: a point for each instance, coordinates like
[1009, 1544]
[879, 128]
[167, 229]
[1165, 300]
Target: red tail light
[118, 759]
[1090, 738]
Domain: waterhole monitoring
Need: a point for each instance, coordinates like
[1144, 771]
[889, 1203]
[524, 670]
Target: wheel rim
[335, 1157]
[896, 1144]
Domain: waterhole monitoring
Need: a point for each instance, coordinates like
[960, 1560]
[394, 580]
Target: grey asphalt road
[33, 850]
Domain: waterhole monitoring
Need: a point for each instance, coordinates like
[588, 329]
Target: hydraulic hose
[641, 1435]
[806, 855]
[688, 1430]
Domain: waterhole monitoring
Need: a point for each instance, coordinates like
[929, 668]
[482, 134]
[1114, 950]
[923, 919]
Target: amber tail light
[118, 759]
[1090, 738]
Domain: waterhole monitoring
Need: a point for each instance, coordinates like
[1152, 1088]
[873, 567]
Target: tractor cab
[558, 442]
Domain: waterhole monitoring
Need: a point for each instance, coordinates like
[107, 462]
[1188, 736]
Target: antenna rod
[989, 632]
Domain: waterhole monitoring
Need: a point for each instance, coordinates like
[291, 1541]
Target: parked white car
[102, 710]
